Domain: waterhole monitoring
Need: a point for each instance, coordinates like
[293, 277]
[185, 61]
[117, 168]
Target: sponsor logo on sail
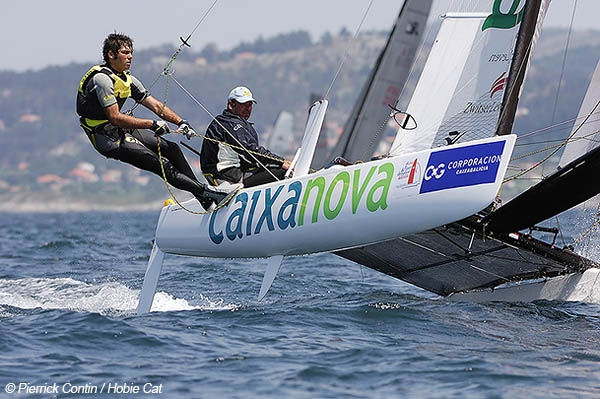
[498, 84]
[409, 174]
[501, 20]
[435, 171]
[479, 108]
[500, 57]
[461, 167]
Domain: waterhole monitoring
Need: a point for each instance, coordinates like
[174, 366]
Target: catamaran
[427, 210]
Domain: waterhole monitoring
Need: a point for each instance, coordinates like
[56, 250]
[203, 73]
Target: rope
[164, 176]
[167, 71]
[241, 146]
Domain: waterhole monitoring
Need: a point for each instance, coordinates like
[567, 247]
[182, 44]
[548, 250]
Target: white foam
[110, 297]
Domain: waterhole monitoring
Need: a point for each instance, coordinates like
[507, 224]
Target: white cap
[241, 94]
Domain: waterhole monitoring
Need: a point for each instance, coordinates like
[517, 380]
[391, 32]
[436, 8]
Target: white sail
[586, 130]
[459, 95]
[316, 116]
[280, 140]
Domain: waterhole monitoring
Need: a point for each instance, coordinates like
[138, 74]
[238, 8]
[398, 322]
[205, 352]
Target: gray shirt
[105, 91]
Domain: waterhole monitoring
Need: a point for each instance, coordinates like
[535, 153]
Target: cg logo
[436, 172]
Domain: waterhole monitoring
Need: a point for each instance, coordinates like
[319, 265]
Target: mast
[528, 28]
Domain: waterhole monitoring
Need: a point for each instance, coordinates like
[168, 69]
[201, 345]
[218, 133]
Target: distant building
[200, 61]
[49, 179]
[142, 180]
[86, 166]
[84, 172]
[246, 55]
[30, 118]
[112, 176]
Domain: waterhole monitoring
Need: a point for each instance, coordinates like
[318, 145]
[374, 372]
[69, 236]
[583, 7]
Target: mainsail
[459, 95]
[361, 133]
[476, 253]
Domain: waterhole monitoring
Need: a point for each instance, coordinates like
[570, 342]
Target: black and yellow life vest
[88, 107]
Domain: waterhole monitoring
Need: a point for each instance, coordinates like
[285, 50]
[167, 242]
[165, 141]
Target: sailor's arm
[118, 119]
[161, 110]
[264, 155]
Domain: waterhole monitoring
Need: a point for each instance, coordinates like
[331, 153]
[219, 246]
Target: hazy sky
[35, 34]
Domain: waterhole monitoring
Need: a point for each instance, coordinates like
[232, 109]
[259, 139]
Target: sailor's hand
[286, 164]
[160, 127]
[186, 129]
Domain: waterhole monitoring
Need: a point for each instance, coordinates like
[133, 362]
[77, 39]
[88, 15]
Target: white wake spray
[104, 298]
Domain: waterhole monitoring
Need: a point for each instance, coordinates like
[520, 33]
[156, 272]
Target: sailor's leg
[261, 176]
[134, 152]
[168, 150]
[150, 280]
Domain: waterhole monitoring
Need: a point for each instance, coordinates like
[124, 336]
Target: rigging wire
[168, 72]
[567, 121]
[224, 128]
[564, 61]
[347, 49]
[557, 147]
[184, 43]
[562, 69]
[219, 206]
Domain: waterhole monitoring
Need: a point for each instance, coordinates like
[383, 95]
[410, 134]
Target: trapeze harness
[92, 116]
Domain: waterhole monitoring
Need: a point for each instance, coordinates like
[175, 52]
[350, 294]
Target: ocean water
[328, 328]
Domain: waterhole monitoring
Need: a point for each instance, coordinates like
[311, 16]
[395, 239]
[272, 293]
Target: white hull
[343, 207]
[580, 287]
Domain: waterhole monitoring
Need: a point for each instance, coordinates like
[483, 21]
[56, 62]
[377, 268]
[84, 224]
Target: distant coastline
[75, 206]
